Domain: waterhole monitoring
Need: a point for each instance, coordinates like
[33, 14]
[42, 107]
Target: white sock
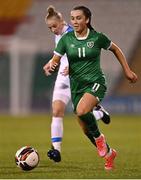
[57, 132]
[97, 114]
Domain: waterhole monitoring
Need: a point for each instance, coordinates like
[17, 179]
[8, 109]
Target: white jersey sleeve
[62, 83]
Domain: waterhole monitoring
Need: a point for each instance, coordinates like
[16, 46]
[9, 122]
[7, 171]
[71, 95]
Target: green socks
[91, 124]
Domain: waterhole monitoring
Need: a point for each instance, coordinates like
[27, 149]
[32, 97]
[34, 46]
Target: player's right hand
[65, 71]
[49, 68]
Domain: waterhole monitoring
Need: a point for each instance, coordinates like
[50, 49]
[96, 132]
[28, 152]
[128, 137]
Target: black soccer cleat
[106, 117]
[54, 155]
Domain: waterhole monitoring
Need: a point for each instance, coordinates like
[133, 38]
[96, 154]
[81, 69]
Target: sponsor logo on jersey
[90, 44]
[72, 45]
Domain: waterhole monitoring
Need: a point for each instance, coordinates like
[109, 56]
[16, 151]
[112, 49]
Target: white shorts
[62, 89]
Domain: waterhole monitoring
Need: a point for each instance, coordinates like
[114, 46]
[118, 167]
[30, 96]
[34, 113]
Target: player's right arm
[50, 67]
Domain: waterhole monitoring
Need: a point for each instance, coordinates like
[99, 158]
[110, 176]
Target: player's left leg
[101, 114]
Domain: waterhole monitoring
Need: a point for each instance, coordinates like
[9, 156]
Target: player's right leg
[100, 142]
[61, 97]
[83, 111]
[58, 107]
[88, 123]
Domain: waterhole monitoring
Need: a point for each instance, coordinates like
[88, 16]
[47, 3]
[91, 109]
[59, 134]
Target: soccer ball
[27, 158]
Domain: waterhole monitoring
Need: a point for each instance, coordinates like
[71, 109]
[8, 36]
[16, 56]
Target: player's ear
[87, 20]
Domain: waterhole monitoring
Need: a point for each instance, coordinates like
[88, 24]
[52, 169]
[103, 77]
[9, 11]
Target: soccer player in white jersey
[62, 93]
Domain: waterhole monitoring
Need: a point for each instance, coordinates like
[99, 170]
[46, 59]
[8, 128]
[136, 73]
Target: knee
[58, 112]
[81, 111]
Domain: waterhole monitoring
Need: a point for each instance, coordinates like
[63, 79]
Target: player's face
[55, 25]
[78, 20]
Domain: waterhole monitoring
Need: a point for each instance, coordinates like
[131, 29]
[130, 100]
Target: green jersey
[84, 58]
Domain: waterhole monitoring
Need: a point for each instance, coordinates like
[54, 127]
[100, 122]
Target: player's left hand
[131, 76]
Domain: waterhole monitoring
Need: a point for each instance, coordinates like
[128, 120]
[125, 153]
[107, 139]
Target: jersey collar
[82, 38]
[64, 29]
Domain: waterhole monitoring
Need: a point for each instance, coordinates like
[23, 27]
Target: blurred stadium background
[26, 45]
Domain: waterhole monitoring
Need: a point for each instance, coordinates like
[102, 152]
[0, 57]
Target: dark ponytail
[87, 14]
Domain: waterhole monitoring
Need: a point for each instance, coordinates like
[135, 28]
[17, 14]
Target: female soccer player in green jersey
[62, 92]
[88, 86]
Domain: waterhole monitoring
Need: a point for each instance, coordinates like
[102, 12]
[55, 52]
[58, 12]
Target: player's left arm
[130, 75]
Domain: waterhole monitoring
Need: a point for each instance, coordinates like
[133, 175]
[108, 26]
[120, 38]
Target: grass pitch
[79, 157]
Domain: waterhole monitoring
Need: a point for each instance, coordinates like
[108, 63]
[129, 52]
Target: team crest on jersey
[90, 44]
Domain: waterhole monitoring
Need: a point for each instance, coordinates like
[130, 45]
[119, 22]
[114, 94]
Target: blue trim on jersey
[56, 139]
[69, 29]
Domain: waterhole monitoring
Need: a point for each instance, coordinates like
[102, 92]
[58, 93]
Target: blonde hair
[51, 12]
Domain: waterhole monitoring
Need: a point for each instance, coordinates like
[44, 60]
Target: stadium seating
[123, 87]
[12, 13]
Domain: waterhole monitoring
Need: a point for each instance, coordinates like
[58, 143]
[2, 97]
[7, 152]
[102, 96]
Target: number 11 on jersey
[81, 52]
[95, 87]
